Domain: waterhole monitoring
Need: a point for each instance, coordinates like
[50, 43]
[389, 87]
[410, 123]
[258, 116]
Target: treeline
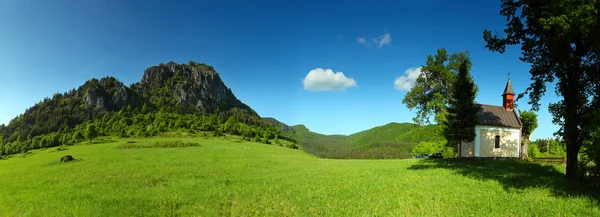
[66, 110]
[548, 147]
[142, 123]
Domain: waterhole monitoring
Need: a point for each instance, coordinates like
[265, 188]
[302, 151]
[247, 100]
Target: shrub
[449, 152]
[265, 141]
[292, 145]
[533, 151]
[427, 148]
[217, 133]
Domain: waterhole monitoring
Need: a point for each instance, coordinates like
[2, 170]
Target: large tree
[529, 120]
[462, 111]
[561, 41]
[432, 90]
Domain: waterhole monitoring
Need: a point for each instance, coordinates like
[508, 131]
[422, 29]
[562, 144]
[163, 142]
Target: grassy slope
[245, 179]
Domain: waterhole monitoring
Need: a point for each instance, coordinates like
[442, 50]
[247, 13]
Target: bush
[292, 145]
[449, 152]
[265, 141]
[427, 148]
[533, 151]
[217, 133]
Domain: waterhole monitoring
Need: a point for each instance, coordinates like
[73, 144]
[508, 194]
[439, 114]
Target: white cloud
[325, 80]
[407, 81]
[380, 41]
[383, 40]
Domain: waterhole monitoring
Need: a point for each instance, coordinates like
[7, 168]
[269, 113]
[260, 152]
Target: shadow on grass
[512, 175]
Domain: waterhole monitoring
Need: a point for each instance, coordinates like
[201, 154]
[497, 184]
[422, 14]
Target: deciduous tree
[529, 120]
[561, 41]
[432, 90]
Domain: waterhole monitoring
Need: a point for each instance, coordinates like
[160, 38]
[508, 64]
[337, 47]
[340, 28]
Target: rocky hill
[182, 88]
[195, 87]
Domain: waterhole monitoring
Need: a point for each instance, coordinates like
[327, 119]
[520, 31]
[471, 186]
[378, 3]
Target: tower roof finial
[508, 89]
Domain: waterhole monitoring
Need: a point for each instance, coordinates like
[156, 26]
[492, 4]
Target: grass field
[225, 178]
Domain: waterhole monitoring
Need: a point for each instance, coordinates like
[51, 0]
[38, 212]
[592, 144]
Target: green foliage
[1, 145]
[292, 145]
[385, 133]
[392, 140]
[91, 132]
[559, 39]
[159, 144]
[265, 141]
[78, 136]
[432, 90]
[533, 151]
[529, 120]
[461, 116]
[530, 123]
[550, 147]
[449, 152]
[590, 154]
[427, 148]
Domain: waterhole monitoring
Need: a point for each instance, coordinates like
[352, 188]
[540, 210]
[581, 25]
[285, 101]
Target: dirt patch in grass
[162, 144]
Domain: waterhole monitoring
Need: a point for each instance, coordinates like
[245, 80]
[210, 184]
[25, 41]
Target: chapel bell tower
[508, 97]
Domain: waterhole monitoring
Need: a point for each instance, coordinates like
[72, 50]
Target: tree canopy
[432, 90]
[561, 41]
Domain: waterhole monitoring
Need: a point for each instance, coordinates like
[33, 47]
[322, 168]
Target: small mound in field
[163, 144]
[131, 141]
[67, 158]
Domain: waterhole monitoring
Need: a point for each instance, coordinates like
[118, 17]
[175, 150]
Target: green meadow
[218, 177]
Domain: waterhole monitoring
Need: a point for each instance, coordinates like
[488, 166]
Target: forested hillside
[170, 97]
[393, 140]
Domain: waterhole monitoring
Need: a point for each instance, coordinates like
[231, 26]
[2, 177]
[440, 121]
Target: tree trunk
[572, 120]
[572, 161]
[571, 135]
[524, 147]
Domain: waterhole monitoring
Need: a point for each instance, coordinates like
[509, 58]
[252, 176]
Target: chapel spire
[508, 97]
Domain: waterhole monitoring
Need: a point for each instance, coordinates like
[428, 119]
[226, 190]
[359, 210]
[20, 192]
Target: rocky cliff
[192, 86]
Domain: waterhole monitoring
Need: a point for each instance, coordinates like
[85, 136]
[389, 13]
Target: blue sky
[263, 51]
